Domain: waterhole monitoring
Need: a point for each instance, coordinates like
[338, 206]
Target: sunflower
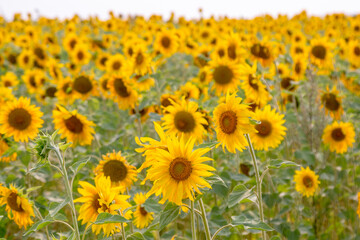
[142, 82]
[26, 59]
[6, 95]
[299, 50]
[234, 51]
[18, 206]
[183, 119]
[122, 93]
[178, 171]
[84, 86]
[166, 43]
[34, 79]
[306, 181]
[299, 67]
[40, 55]
[116, 63]
[80, 55]
[102, 197]
[115, 166]
[321, 53]
[340, 136]
[225, 75]
[262, 51]
[331, 102]
[73, 126]
[70, 41]
[142, 218]
[354, 53]
[270, 130]
[101, 60]
[20, 120]
[104, 85]
[65, 93]
[9, 80]
[351, 83]
[232, 121]
[140, 61]
[4, 146]
[188, 91]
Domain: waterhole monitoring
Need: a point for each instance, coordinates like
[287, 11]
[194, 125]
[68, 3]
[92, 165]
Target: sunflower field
[151, 128]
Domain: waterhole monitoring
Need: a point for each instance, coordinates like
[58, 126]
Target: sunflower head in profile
[18, 206]
[351, 83]
[20, 120]
[116, 167]
[331, 102]
[102, 197]
[183, 119]
[73, 126]
[188, 91]
[122, 92]
[225, 75]
[340, 136]
[270, 130]
[84, 86]
[306, 181]
[4, 146]
[142, 218]
[232, 121]
[166, 43]
[179, 171]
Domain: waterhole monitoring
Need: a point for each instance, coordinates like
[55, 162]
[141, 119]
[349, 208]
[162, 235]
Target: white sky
[187, 8]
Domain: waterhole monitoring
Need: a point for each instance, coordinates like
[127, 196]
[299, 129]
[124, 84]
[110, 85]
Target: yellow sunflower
[65, 93]
[101, 60]
[142, 82]
[262, 51]
[351, 83]
[34, 80]
[299, 67]
[73, 126]
[166, 43]
[122, 93]
[102, 197]
[20, 120]
[321, 54]
[354, 53]
[306, 181]
[271, 130]
[4, 146]
[18, 206]
[340, 136]
[80, 55]
[183, 119]
[26, 59]
[6, 95]
[179, 171]
[142, 218]
[331, 102]
[232, 121]
[9, 80]
[116, 64]
[84, 86]
[188, 91]
[140, 60]
[116, 167]
[225, 74]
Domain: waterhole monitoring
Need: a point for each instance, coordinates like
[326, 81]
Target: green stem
[192, 218]
[68, 191]
[258, 181]
[130, 223]
[217, 232]
[123, 231]
[41, 218]
[205, 221]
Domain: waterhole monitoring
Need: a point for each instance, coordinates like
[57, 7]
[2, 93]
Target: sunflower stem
[130, 223]
[123, 231]
[205, 221]
[258, 182]
[192, 218]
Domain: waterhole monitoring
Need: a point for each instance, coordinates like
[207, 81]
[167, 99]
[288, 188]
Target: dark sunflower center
[286, 83]
[12, 202]
[12, 59]
[7, 84]
[116, 65]
[143, 211]
[67, 88]
[165, 42]
[308, 182]
[165, 102]
[260, 51]
[74, 124]
[80, 55]
[184, 121]
[221, 53]
[223, 75]
[264, 128]
[130, 51]
[82, 85]
[228, 122]
[19, 118]
[116, 170]
[298, 68]
[103, 61]
[331, 102]
[337, 134]
[253, 82]
[319, 51]
[39, 52]
[26, 59]
[299, 50]
[32, 81]
[202, 76]
[180, 169]
[232, 52]
[72, 43]
[50, 92]
[120, 88]
[139, 59]
[357, 51]
[104, 84]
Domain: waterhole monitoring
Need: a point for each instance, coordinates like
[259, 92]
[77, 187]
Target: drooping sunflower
[340, 136]
[18, 206]
[183, 119]
[102, 197]
[232, 121]
[270, 130]
[331, 102]
[115, 166]
[4, 146]
[179, 171]
[84, 86]
[306, 181]
[121, 92]
[73, 126]
[142, 218]
[225, 75]
[20, 120]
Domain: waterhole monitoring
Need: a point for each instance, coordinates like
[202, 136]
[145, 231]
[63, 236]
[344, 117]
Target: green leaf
[245, 223]
[169, 214]
[79, 165]
[136, 236]
[109, 218]
[56, 207]
[207, 145]
[216, 180]
[278, 163]
[239, 193]
[152, 205]
[37, 226]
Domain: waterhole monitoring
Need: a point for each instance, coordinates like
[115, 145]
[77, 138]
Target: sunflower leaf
[37, 226]
[239, 193]
[104, 217]
[216, 180]
[169, 214]
[245, 223]
[152, 205]
[76, 167]
[136, 236]
[206, 145]
[278, 163]
[56, 207]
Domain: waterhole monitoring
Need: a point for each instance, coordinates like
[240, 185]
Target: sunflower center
[299, 50]
[82, 85]
[95, 203]
[357, 51]
[32, 81]
[223, 75]
[180, 169]
[120, 88]
[221, 53]
[184, 121]
[264, 128]
[104, 84]
[19, 118]
[80, 55]
[130, 51]
[72, 43]
[116, 65]
[7, 84]
[228, 122]
[337, 134]
[308, 182]
[67, 88]
[202, 76]
[298, 68]
[331, 102]
[260, 51]
[165, 42]
[143, 211]
[50, 92]
[26, 59]
[12, 202]
[103, 61]
[165, 102]
[232, 52]
[116, 170]
[286, 83]
[74, 124]
[39, 53]
[139, 59]
[319, 51]
[252, 82]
